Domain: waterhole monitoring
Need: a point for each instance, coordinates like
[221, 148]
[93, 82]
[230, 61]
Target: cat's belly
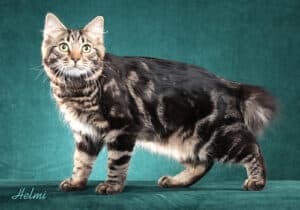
[172, 147]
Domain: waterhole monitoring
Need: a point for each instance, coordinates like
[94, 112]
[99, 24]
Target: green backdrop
[255, 42]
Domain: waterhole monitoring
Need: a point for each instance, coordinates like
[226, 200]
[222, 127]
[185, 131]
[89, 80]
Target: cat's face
[72, 53]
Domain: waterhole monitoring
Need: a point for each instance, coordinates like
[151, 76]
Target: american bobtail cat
[171, 108]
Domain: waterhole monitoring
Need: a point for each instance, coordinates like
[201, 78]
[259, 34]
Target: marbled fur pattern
[171, 108]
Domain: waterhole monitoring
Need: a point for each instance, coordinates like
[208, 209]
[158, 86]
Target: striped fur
[168, 107]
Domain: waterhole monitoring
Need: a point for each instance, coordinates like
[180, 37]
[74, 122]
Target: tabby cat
[171, 108]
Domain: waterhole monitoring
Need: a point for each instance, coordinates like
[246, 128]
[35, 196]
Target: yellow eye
[86, 48]
[64, 47]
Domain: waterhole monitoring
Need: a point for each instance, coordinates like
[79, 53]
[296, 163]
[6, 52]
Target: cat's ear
[95, 28]
[53, 26]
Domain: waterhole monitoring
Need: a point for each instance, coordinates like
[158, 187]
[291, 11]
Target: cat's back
[168, 76]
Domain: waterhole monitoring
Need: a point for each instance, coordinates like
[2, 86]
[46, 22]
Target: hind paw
[165, 181]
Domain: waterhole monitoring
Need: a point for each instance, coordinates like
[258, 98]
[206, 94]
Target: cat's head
[72, 54]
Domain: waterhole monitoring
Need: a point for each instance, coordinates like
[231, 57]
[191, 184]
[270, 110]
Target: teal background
[255, 42]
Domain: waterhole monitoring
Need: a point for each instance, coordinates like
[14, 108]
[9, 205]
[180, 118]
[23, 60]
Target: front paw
[72, 185]
[253, 184]
[107, 188]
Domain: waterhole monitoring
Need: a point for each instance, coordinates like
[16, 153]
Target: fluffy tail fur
[258, 107]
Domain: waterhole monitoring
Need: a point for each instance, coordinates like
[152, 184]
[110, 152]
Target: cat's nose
[75, 55]
[75, 60]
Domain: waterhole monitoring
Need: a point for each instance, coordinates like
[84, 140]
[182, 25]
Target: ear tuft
[95, 28]
[53, 26]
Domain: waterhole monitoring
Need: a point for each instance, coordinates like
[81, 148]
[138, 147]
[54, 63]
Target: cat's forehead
[72, 36]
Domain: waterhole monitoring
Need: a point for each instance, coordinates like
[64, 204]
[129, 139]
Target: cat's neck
[71, 89]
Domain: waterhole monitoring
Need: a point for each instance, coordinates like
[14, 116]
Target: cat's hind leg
[254, 164]
[191, 174]
[236, 144]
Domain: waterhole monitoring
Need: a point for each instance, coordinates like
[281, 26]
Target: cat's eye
[63, 47]
[86, 48]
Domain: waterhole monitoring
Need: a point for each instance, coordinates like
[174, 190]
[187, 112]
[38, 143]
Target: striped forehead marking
[75, 36]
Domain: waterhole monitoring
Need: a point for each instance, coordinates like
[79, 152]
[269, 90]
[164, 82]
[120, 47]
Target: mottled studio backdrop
[255, 42]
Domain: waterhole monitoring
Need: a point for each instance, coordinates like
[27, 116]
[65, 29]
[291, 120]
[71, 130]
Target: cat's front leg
[119, 154]
[87, 149]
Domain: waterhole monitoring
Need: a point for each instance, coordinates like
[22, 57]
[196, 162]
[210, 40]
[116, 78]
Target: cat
[169, 107]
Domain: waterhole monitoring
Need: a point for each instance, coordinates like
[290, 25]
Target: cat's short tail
[258, 107]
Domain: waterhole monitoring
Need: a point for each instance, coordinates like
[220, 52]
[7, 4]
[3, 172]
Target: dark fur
[186, 93]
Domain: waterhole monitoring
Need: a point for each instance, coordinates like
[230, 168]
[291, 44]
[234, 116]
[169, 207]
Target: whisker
[36, 67]
[39, 74]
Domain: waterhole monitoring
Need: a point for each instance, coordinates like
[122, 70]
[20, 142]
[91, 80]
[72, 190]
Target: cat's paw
[107, 188]
[71, 185]
[165, 181]
[254, 184]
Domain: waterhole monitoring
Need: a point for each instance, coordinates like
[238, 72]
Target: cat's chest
[79, 122]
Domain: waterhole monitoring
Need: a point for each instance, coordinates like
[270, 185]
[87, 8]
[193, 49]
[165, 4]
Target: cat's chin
[75, 72]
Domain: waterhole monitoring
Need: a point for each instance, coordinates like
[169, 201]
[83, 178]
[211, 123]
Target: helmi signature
[30, 194]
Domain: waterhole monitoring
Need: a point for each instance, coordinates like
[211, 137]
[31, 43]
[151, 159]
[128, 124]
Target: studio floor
[147, 195]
